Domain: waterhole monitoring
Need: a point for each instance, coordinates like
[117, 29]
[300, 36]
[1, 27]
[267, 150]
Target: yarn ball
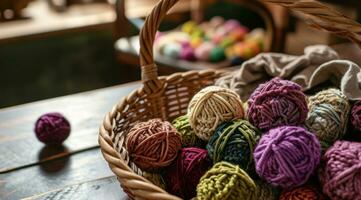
[216, 21]
[210, 107]
[234, 142]
[217, 54]
[302, 192]
[328, 116]
[231, 25]
[156, 179]
[265, 191]
[287, 156]
[153, 144]
[356, 116]
[226, 181]
[276, 103]
[183, 175]
[340, 172]
[172, 49]
[52, 128]
[189, 138]
[187, 53]
[203, 51]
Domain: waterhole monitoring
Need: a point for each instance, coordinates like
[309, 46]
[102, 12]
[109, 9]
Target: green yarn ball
[328, 116]
[226, 181]
[234, 142]
[265, 191]
[217, 54]
[189, 138]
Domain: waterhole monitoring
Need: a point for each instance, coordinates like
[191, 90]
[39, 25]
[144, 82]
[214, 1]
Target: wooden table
[77, 170]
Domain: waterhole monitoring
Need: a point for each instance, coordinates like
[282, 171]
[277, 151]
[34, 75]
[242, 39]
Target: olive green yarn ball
[189, 138]
[234, 142]
[328, 116]
[225, 181]
[156, 179]
[265, 191]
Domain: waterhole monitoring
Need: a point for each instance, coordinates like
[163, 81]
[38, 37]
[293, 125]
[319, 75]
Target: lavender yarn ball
[52, 128]
[277, 103]
[356, 116]
[287, 156]
[340, 171]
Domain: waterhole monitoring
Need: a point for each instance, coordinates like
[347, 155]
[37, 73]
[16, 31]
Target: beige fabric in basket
[318, 64]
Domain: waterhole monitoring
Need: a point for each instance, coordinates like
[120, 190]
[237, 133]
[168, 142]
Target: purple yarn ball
[277, 103]
[356, 115]
[52, 128]
[287, 156]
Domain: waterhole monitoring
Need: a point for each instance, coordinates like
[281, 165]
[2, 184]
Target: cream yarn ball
[210, 107]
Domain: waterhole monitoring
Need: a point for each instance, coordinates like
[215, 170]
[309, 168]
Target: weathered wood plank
[105, 188]
[52, 175]
[85, 112]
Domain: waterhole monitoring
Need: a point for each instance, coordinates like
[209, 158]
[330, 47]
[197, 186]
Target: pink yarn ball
[202, 52]
[340, 172]
[52, 128]
[277, 103]
[231, 25]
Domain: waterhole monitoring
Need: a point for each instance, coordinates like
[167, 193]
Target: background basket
[168, 97]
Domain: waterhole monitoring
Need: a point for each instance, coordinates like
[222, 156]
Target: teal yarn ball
[172, 50]
[234, 142]
[328, 116]
[189, 138]
[217, 54]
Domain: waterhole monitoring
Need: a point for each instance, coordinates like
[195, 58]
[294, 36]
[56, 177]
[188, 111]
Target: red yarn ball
[52, 128]
[182, 176]
[303, 192]
[153, 144]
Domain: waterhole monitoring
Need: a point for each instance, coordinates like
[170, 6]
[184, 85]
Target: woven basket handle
[323, 17]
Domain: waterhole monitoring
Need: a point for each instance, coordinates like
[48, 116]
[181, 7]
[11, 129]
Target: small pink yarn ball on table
[153, 144]
[52, 128]
[183, 175]
[340, 172]
[277, 103]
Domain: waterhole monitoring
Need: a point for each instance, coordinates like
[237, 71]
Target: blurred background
[50, 48]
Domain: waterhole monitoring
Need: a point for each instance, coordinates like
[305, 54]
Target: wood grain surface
[18, 144]
[105, 188]
[52, 175]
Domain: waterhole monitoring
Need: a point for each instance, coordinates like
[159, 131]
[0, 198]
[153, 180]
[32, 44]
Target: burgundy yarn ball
[182, 176]
[340, 171]
[52, 128]
[356, 115]
[277, 103]
[287, 156]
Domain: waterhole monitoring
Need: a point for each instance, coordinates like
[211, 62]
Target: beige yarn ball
[210, 107]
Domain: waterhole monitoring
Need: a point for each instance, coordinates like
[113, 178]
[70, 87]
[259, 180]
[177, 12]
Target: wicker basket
[168, 97]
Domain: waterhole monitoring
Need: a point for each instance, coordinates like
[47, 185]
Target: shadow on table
[49, 163]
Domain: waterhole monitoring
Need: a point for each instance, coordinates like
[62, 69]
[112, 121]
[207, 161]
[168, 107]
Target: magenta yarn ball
[52, 128]
[340, 171]
[183, 175]
[187, 53]
[287, 156]
[356, 115]
[277, 103]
